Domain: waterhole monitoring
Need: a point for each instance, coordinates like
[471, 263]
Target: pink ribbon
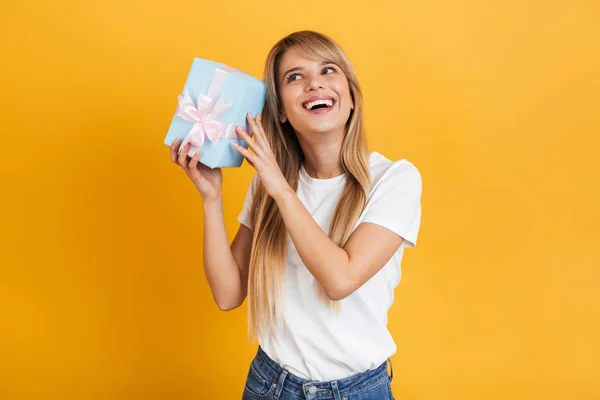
[205, 113]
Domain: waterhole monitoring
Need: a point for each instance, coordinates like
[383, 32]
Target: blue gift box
[215, 99]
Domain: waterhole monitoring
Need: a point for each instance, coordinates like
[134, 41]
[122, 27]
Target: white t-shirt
[319, 344]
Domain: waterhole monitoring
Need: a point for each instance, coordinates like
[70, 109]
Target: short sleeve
[395, 202]
[244, 216]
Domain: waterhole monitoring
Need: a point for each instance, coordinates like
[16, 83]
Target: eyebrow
[301, 68]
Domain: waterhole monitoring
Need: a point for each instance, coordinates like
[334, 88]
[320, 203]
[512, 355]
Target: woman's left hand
[262, 158]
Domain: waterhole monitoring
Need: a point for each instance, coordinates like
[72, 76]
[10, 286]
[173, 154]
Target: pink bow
[205, 114]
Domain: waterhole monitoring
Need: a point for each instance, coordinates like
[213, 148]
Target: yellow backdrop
[102, 292]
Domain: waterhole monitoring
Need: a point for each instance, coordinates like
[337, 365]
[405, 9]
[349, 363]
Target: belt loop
[280, 383]
[391, 369]
[336, 391]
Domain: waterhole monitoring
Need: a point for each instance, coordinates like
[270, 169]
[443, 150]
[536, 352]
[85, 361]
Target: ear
[282, 117]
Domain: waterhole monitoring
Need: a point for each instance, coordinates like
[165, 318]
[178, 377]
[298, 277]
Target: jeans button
[312, 390]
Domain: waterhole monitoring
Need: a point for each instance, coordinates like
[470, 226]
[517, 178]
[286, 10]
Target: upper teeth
[327, 102]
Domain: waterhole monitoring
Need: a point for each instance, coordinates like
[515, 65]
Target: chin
[314, 125]
[321, 128]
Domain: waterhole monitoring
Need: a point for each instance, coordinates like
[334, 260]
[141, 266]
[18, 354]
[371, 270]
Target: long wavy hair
[269, 248]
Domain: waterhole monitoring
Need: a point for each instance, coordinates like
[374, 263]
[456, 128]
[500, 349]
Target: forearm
[325, 260]
[220, 267]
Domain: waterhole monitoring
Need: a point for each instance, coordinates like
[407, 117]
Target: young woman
[323, 230]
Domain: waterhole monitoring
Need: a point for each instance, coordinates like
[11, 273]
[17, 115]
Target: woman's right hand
[207, 180]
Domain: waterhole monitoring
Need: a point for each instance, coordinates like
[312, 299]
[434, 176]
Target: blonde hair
[268, 254]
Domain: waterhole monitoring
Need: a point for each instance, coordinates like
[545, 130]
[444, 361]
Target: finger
[251, 143]
[261, 128]
[194, 161]
[249, 156]
[174, 146]
[259, 132]
[261, 137]
[255, 130]
[181, 160]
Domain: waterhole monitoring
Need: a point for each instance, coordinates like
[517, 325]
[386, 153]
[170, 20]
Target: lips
[315, 101]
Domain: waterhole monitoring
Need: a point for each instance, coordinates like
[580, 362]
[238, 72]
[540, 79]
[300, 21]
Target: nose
[315, 82]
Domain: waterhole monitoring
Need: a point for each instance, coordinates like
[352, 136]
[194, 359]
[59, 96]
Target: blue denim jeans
[267, 380]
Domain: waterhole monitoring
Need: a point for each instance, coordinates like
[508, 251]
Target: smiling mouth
[318, 104]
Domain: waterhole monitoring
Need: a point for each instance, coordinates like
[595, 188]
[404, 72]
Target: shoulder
[252, 187]
[255, 181]
[386, 172]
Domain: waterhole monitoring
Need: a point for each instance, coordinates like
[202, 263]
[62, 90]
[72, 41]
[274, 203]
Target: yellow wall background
[102, 292]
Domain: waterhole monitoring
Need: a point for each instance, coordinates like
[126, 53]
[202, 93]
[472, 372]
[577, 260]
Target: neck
[322, 156]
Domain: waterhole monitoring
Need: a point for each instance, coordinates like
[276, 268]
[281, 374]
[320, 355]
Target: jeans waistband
[316, 390]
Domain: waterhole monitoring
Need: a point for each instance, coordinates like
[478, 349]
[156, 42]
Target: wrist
[212, 203]
[283, 195]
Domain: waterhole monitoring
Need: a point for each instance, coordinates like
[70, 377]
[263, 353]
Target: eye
[291, 77]
[331, 68]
